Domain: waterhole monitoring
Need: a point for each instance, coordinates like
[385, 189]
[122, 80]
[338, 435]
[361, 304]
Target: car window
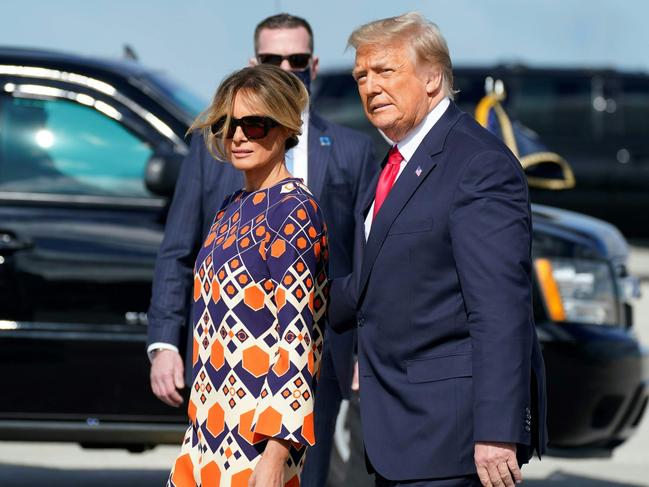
[635, 107]
[59, 146]
[191, 103]
[554, 105]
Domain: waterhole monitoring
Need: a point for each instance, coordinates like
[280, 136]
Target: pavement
[68, 465]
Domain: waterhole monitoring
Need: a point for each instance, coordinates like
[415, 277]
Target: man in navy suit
[451, 373]
[336, 163]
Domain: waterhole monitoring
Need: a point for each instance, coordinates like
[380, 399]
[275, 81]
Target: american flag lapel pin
[418, 171]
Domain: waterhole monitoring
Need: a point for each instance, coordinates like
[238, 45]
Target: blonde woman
[260, 294]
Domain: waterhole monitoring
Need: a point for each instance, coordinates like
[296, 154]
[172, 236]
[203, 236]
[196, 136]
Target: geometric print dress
[259, 303]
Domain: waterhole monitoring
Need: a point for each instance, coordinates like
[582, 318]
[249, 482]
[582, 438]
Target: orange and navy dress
[260, 296]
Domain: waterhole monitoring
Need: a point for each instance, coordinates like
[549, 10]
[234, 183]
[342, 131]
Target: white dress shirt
[409, 145]
[300, 153]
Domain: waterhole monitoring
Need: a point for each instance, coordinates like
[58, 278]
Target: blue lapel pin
[418, 171]
[325, 140]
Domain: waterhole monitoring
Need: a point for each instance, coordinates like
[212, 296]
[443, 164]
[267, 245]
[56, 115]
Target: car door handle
[10, 243]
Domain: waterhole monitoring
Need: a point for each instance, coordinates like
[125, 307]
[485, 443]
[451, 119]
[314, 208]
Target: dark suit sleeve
[490, 226]
[341, 315]
[172, 278]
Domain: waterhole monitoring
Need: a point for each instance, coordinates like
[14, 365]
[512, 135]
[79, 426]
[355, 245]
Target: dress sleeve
[296, 259]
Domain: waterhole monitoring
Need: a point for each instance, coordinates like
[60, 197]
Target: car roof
[122, 68]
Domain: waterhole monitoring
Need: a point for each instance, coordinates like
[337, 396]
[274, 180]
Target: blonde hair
[276, 93]
[423, 37]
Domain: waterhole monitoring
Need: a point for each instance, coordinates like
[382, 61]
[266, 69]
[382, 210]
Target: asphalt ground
[68, 465]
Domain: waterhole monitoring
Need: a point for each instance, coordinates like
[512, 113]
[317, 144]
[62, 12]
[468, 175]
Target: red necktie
[387, 178]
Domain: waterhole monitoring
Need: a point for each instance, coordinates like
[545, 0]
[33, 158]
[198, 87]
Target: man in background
[335, 162]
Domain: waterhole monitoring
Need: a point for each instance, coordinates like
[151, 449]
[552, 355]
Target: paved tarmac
[67, 465]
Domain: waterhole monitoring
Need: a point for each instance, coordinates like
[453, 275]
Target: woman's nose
[239, 136]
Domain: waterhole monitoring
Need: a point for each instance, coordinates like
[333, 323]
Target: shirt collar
[410, 143]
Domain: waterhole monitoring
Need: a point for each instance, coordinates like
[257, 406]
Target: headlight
[578, 290]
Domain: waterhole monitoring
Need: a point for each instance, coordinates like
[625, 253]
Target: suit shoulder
[471, 141]
[476, 137]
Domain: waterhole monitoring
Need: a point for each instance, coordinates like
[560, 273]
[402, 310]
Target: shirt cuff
[154, 347]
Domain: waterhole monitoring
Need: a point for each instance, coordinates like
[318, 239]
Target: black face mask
[305, 78]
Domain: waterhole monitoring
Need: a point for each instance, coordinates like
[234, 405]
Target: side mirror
[162, 172]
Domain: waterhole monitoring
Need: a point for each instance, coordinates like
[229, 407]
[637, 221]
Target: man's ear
[253, 61]
[434, 81]
[315, 66]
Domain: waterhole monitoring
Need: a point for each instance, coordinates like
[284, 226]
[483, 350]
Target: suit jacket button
[527, 428]
[361, 322]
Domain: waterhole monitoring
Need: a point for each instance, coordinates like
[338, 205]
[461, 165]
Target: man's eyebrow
[358, 71]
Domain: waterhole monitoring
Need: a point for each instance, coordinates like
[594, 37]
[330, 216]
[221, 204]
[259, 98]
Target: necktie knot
[394, 156]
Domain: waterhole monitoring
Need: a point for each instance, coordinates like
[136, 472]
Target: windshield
[188, 101]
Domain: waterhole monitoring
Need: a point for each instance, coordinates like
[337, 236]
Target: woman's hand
[269, 471]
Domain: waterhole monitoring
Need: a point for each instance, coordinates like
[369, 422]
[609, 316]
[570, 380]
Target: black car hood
[604, 239]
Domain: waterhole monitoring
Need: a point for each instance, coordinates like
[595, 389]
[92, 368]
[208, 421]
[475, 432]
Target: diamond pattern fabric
[260, 297]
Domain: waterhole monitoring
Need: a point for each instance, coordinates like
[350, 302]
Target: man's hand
[496, 464]
[269, 471]
[167, 376]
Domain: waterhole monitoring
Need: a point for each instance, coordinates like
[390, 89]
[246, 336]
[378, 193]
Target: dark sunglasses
[297, 61]
[253, 126]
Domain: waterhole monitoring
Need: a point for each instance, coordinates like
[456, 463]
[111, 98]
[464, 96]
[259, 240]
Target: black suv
[597, 119]
[89, 150]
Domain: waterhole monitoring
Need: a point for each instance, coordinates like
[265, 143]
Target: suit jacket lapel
[421, 164]
[368, 199]
[319, 151]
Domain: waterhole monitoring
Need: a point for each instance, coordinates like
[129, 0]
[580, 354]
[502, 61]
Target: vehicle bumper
[600, 379]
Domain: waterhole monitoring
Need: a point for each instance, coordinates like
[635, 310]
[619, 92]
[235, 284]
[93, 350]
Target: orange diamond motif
[269, 422]
[216, 291]
[253, 296]
[210, 239]
[210, 474]
[278, 248]
[241, 479]
[229, 241]
[217, 358]
[255, 361]
[215, 420]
